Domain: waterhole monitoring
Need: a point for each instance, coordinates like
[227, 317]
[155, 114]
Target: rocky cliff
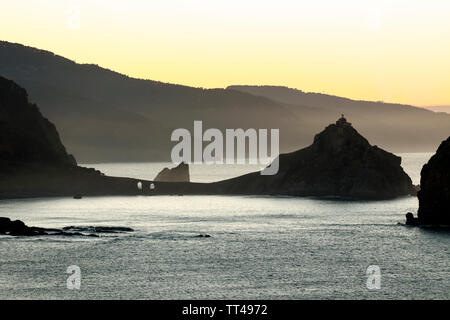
[339, 163]
[434, 196]
[26, 137]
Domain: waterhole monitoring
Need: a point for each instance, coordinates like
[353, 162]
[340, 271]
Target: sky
[393, 51]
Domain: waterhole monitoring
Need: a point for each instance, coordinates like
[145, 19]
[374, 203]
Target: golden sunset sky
[396, 50]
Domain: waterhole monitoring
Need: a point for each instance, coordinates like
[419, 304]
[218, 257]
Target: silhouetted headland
[34, 162]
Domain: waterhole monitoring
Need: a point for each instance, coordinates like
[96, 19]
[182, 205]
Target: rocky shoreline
[18, 228]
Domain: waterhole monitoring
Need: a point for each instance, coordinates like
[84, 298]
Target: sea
[224, 247]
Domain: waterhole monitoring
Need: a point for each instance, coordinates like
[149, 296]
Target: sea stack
[434, 195]
[178, 174]
[339, 163]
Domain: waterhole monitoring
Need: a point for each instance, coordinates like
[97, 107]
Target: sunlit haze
[396, 51]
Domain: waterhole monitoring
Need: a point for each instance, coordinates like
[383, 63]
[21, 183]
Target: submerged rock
[177, 174]
[202, 236]
[434, 195]
[98, 229]
[339, 163]
[411, 220]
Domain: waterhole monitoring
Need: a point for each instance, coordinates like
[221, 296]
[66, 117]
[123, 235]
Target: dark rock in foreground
[178, 174]
[18, 228]
[340, 163]
[434, 196]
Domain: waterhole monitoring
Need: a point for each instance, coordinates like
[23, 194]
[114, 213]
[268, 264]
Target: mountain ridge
[242, 88]
[105, 116]
[257, 90]
[444, 109]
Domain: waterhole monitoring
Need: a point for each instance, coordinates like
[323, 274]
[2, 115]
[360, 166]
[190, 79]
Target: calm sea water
[260, 247]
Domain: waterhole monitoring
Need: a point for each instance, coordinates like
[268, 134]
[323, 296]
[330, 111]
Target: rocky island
[339, 163]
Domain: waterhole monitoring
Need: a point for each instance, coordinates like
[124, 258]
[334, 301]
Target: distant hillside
[445, 109]
[104, 116]
[396, 127]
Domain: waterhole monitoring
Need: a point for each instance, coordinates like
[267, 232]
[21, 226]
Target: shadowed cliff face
[434, 195]
[340, 163]
[34, 162]
[26, 137]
